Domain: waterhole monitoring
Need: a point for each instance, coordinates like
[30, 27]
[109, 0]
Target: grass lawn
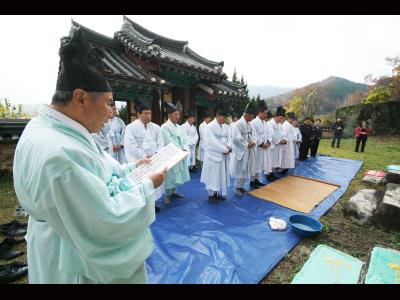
[339, 231]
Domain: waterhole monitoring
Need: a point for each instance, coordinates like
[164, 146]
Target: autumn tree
[385, 87]
[304, 106]
[9, 111]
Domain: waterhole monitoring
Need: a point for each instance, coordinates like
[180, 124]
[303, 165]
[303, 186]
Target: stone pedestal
[387, 214]
[362, 205]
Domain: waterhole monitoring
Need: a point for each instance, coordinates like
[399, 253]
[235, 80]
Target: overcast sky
[286, 51]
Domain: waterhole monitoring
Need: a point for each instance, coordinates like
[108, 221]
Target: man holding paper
[143, 138]
[173, 133]
[88, 222]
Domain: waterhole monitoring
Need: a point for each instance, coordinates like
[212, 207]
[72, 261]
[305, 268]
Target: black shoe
[221, 198]
[259, 183]
[284, 172]
[13, 240]
[13, 271]
[157, 209]
[6, 252]
[192, 170]
[271, 177]
[212, 199]
[243, 191]
[18, 223]
[254, 185]
[12, 230]
[177, 195]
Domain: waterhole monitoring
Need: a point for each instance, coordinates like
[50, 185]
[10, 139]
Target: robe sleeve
[122, 130]
[101, 140]
[110, 234]
[237, 138]
[166, 135]
[185, 145]
[212, 143]
[273, 136]
[160, 140]
[132, 147]
[196, 135]
[257, 134]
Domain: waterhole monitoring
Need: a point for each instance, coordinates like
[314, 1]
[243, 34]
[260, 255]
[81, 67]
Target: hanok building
[143, 64]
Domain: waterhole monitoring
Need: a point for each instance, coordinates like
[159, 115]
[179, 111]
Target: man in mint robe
[173, 133]
[88, 222]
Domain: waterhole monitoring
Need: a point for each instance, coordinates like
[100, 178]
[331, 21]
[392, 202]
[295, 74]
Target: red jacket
[358, 131]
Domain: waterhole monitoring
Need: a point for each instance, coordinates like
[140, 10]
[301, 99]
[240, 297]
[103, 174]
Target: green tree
[123, 113]
[234, 77]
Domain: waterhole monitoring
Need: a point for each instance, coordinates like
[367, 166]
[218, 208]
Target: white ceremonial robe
[275, 150]
[243, 159]
[288, 160]
[202, 144]
[141, 142]
[215, 171]
[260, 132]
[102, 137]
[297, 138]
[231, 127]
[192, 138]
[116, 134]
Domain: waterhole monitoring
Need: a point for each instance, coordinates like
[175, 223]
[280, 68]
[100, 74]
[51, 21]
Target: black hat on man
[170, 108]
[142, 104]
[81, 66]
[280, 111]
[251, 108]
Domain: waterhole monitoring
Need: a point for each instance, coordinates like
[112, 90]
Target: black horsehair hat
[262, 106]
[223, 109]
[280, 111]
[170, 108]
[291, 115]
[143, 103]
[251, 108]
[81, 66]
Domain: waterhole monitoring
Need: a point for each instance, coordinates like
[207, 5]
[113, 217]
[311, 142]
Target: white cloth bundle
[277, 224]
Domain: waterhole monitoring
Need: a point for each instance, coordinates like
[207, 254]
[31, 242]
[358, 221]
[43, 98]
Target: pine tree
[234, 77]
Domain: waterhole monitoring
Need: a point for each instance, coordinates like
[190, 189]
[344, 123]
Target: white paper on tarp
[168, 157]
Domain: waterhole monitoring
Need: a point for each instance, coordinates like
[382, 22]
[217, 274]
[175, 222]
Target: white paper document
[168, 157]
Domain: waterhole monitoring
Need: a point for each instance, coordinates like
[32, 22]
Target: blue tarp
[231, 242]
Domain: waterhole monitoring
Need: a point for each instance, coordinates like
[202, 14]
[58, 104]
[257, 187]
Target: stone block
[363, 204]
[387, 214]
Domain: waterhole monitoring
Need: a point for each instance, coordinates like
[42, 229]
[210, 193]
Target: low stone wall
[7, 150]
[382, 117]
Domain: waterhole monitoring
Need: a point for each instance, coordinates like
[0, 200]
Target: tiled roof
[117, 64]
[151, 45]
[228, 88]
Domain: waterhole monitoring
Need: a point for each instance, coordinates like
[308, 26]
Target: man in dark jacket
[317, 131]
[337, 132]
[307, 138]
